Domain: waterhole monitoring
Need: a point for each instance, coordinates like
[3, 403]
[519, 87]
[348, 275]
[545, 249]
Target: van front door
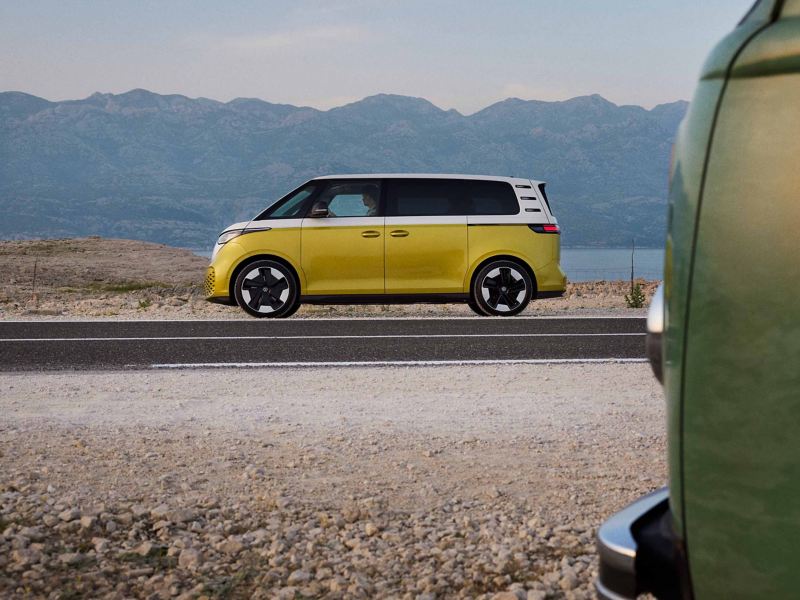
[343, 252]
[426, 236]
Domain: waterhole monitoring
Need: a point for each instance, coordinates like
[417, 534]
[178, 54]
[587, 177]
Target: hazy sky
[458, 54]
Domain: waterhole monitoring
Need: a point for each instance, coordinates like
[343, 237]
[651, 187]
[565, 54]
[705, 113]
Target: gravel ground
[437, 482]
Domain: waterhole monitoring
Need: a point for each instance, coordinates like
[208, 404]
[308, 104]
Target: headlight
[229, 235]
[655, 333]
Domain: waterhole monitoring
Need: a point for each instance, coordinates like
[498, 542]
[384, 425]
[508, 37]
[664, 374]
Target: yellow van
[492, 242]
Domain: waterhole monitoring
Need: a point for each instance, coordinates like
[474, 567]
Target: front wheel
[266, 288]
[502, 288]
[475, 308]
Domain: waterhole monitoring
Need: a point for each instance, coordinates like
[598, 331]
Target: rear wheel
[266, 288]
[502, 288]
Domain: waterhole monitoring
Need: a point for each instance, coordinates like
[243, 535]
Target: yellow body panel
[540, 251]
[431, 259]
[339, 259]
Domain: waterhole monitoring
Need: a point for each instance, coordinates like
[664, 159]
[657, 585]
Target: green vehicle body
[731, 338]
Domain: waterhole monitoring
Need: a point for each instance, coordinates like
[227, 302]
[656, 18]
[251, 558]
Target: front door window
[351, 199]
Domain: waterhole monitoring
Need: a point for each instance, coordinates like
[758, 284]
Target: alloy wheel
[265, 289]
[503, 289]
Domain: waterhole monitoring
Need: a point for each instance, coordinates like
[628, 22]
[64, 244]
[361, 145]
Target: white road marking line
[398, 363]
[315, 337]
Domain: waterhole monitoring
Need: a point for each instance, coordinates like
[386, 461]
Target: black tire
[292, 310]
[267, 289]
[502, 288]
[475, 308]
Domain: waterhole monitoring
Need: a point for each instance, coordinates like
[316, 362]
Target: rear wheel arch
[509, 257]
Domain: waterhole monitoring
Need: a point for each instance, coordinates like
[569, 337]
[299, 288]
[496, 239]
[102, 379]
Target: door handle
[399, 233]
[370, 234]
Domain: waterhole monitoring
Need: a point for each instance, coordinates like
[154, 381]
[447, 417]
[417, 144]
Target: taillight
[545, 228]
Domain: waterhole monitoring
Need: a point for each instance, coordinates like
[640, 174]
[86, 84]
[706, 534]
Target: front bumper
[640, 553]
[214, 290]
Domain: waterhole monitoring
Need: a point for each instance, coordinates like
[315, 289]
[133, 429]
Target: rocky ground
[439, 482]
[126, 279]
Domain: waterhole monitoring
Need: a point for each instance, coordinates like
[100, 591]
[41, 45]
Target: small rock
[189, 558]
[88, 522]
[298, 576]
[182, 515]
[568, 582]
[33, 533]
[70, 558]
[370, 529]
[493, 492]
[505, 596]
[25, 556]
[158, 525]
[231, 546]
[146, 549]
[69, 515]
[49, 520]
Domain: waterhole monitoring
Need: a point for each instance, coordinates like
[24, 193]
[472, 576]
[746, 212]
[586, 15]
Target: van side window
[544, 195]
[491, 198]
[351, 198]
[444, 197]
[424, 197]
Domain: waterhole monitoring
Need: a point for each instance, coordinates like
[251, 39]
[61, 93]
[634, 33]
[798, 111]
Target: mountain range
[176, 170]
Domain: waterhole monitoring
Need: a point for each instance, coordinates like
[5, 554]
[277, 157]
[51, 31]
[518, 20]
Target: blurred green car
[725, 336]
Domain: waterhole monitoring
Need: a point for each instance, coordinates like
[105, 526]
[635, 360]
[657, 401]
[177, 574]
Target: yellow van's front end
[243, 242]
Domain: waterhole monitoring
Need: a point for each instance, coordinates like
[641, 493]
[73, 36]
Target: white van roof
[511, 180]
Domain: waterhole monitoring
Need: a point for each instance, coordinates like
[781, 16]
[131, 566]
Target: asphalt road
[294, 342]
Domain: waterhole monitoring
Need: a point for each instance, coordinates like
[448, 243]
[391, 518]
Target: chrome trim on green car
[617, 548]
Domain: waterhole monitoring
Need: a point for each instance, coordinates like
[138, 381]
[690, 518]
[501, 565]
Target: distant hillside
[175, 170]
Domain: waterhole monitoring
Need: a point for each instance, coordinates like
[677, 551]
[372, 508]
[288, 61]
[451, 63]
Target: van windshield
[291, 206]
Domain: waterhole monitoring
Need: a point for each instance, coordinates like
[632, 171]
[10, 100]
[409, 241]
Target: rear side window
[491, 198]
[423, 197]
[544, 195]
[449, 197]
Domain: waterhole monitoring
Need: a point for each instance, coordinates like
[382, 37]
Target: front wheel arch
[252, 259]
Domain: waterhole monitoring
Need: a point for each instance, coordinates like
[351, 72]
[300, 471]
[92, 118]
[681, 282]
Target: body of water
[590, 264]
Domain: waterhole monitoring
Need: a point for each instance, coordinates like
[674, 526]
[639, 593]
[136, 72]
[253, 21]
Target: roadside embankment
[127, 279]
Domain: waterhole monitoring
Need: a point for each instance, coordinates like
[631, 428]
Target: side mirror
[319, 209]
